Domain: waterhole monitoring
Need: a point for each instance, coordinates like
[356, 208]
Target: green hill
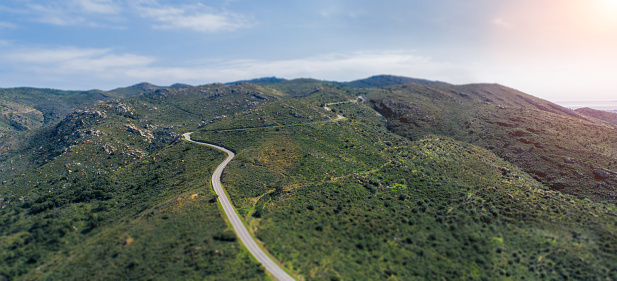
[561, 148]
[111, 191]
[262, 81]
[420, 181]
[389, 80]
[28, 108]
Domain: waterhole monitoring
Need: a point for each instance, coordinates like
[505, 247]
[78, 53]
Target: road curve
[249, 242]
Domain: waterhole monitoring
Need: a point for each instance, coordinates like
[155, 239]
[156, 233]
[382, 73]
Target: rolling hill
[421, 180]
[563, 149]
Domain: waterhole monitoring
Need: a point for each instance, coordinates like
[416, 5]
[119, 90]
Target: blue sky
[556, 49]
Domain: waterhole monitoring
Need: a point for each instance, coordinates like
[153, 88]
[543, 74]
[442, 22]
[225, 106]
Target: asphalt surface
[249, 242]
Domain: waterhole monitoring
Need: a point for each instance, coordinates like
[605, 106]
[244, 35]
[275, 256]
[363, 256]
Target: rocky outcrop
[132, 129]
[404, 113]
[205, 123]
[119, 107]
[108, 149]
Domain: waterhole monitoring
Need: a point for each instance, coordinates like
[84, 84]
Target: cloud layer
[102, 68]
[100, 13]
[196, 17]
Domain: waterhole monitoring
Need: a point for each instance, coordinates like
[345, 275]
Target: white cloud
[98, 6]
[54, 14]
[68, 68]
[108, 13]
[69, 62]
[54, 56]
[544, 81]
[197, 17]
[4, 24]
[339, 67]
[350, 66]
[105, 63]
[75, 12]
[10, 10]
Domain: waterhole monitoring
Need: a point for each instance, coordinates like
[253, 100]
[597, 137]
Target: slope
[111, 192]
[114, 194]
[29, 108]
[561, 148]
[350, 200]
[599, 114]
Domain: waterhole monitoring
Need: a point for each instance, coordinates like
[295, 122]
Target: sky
[560, 50]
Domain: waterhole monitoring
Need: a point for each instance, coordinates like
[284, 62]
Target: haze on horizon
[560, 50]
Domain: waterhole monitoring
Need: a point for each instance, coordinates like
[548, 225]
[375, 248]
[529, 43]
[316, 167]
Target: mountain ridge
[385, 80]
[522, 188]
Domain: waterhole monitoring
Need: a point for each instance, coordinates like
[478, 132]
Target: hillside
[419, 181]
[29, 108]
[393, 208]
[599, 114]
[24, 111]
[561, 148]
[116, 178]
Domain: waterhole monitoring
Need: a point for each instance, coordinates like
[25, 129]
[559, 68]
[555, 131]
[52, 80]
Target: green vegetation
[445, 221]
[559, 147]
[156, 213]
[397, 209]
[112, 192]
[281, 113]
[28, 108]
[424, 181]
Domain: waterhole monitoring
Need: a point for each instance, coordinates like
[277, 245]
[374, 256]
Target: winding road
[249, 242]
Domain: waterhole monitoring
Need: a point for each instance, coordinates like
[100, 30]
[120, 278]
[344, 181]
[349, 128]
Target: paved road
[239, 228]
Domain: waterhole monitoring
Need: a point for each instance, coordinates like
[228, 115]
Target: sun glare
[607, 9]
[600, 16]
[611, 4]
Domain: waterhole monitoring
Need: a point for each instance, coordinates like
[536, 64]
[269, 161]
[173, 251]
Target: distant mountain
[610, 117]
[136, 89]
[180, 86]
[301, 87]
[145, 87]
[389, 80]
[262, 81]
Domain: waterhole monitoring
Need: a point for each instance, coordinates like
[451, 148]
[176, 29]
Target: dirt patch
[280, 154]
